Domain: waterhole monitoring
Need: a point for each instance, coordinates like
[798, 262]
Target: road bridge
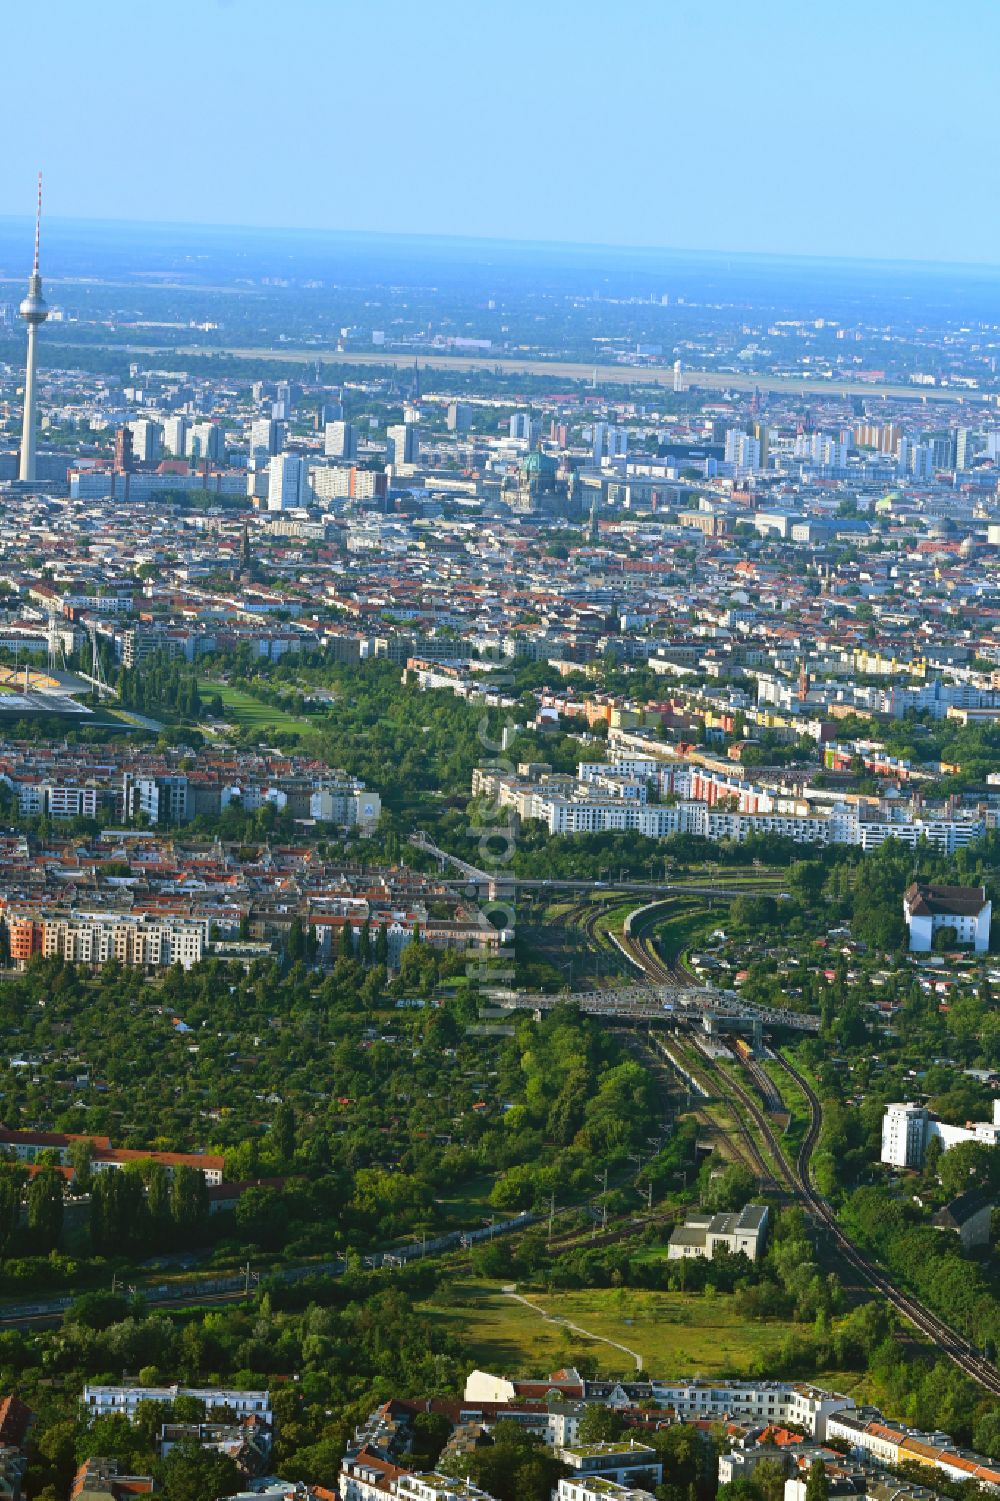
[491, 883]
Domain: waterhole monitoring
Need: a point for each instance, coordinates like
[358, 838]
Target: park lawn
[249, 712]
[677, 1334]
[468, 1204]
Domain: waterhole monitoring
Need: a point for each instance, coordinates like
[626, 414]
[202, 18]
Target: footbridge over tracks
[714, 1010]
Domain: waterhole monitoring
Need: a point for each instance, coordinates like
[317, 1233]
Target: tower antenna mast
[38, 225]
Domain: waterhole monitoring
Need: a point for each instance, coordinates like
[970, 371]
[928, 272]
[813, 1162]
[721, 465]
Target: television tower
[34, 311]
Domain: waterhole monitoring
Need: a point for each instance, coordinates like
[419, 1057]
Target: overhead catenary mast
[34, 310]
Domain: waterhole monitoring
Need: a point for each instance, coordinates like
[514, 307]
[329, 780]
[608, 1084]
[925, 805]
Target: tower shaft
[34, 311]
[26, 472]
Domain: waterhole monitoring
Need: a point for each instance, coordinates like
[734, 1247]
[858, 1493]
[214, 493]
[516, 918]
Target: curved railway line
[797, 1177]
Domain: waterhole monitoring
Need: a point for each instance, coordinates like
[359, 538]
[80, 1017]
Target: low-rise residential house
[969, 1216]
[100, 1401]
[598, 1488]
[705, 1234]
[623, 1460]
[15, 1421]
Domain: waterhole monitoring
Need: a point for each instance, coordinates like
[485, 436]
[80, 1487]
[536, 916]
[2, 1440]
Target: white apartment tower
[904, 1135]
[285, 482]
[265, 437]
[175, 430]
[403, 445]
[145, 440]
[742, 451]
[340, 440]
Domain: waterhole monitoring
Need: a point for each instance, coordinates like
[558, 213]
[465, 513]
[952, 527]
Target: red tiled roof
[15, 1419]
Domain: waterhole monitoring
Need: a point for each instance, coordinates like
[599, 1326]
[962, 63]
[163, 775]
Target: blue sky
[857, 128]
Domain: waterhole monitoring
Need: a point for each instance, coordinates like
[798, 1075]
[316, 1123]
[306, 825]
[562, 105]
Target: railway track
[797, 1177]
[954, 1345]
[639, 948]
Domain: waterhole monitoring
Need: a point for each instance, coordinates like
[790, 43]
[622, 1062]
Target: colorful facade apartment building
[142, 940]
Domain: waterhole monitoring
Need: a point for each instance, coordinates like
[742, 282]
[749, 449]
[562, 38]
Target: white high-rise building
[340, 440]
[205, 441]
[678, 376]
[598, 442]
[916, 459]
[34, 310]
[908, 1130]
[265, 437]
[522, 427]
[904, 1133]
[742, 451]
[285, 482]
[145, 440]
[402, 445]
[175, 430]
[821, 449]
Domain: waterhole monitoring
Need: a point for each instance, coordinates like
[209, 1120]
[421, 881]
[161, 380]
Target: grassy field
[797, 1106]
[248, 712]
[676, 1334]
[685, 930]
[464, 1204]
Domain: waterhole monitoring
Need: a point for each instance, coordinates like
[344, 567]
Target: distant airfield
[622, 375]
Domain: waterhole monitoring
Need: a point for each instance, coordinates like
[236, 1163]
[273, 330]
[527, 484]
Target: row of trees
[163, 687]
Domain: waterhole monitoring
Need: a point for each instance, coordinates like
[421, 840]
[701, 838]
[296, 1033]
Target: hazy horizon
[23, 224]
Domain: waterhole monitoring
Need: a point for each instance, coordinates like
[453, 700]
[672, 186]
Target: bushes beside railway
[930, 1263]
